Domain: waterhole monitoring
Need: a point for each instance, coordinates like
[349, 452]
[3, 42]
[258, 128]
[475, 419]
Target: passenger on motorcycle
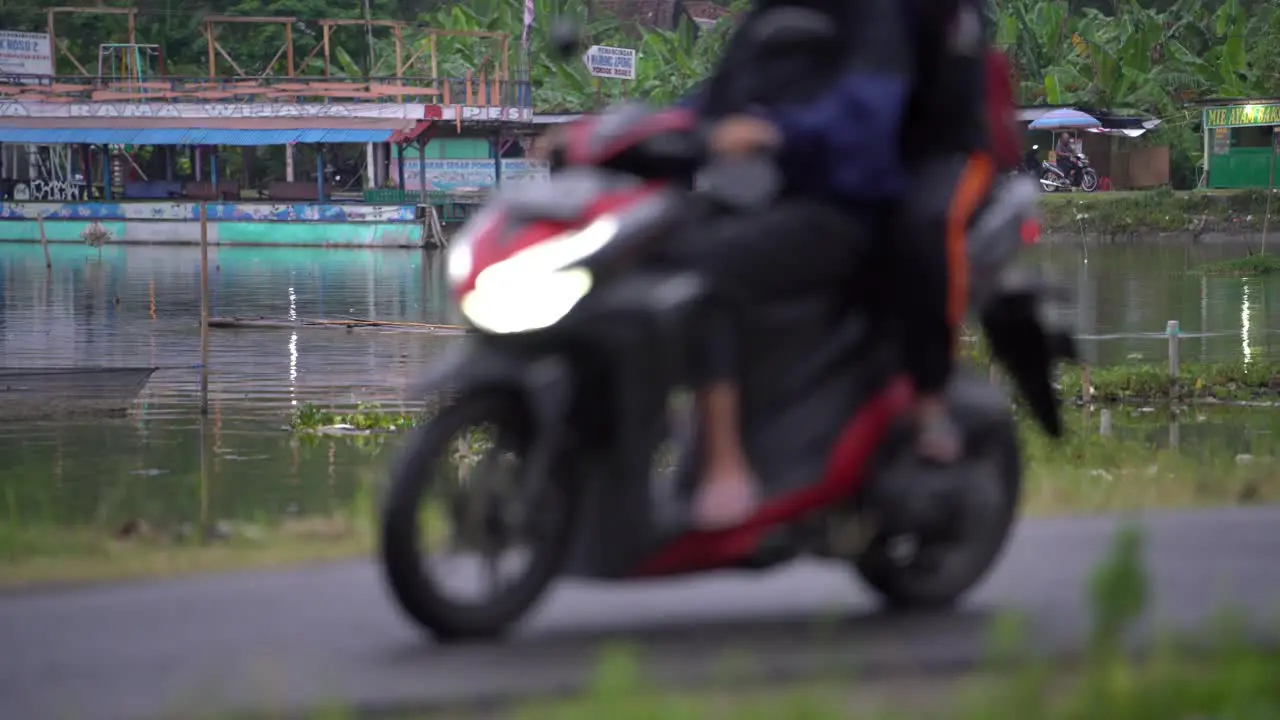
[830, 113]
[863, 126]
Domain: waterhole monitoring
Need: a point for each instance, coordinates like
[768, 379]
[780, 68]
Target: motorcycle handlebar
[738, 182]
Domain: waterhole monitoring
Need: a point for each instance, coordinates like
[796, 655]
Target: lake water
[139, 306]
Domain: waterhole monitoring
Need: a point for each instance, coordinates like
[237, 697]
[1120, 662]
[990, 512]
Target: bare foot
[725, 502]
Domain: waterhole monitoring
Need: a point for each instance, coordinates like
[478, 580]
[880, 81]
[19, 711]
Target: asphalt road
[285, 640]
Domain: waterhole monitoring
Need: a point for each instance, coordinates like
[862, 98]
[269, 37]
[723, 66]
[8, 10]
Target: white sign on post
[612, 62]
[25, 54]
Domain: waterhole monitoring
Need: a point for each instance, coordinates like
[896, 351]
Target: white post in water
[1104, 424]
[1172, 331]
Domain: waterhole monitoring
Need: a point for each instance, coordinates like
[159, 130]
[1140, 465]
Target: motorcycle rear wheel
[1049, 182]
[418, 592]
[938, 576]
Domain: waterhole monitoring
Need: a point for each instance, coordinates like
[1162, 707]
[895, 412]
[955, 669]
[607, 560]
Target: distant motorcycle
[1052, 179]
[1031, 163]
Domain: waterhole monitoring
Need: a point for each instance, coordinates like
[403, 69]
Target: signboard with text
[461, 175]
[1242, 116]
[268, 111]
[611, 62]
[24, 53]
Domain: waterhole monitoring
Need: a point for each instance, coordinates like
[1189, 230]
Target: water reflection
[148, 313]
[1128, 290]
[293, 350]
[1244, 323]
[140, 305]
[172, 472]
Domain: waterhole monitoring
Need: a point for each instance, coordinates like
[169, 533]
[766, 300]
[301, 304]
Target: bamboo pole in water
[204, 309]
[44, 242]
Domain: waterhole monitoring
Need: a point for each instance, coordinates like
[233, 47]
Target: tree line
[1153, 56]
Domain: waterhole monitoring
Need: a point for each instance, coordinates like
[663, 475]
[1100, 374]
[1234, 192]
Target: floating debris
[95, 236]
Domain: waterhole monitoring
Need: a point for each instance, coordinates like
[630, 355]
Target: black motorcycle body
[587, 389]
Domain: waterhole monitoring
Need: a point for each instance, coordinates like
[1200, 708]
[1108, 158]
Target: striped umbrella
[1065, 119]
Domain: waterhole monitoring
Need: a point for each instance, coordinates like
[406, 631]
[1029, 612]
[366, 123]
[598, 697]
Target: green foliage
[1153, 56]
[669, 62]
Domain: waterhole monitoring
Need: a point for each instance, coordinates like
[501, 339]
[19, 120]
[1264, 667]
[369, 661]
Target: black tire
[1048, 182]
[416, 592]
[917, 587]
[1089, 180]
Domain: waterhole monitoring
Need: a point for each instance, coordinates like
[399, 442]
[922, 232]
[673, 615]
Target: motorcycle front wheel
[1089, 180]
[497, 514]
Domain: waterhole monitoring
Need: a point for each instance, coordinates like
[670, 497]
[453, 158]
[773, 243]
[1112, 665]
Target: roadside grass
[43, 557]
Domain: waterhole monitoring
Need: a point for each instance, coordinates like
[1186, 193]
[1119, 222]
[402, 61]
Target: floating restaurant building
[136, 156]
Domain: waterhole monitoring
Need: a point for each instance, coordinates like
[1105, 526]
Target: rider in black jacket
[831, 113]
[889, 117]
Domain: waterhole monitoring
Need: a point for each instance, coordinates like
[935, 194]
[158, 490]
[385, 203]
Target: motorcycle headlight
[536, 287]
[538, 302]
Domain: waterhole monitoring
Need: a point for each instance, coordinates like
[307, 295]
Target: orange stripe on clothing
[971, 189]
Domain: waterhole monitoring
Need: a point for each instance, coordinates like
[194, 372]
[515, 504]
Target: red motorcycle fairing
[502, 232]
[595, 140]
[848, 465]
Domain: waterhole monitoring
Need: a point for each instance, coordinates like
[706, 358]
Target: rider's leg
[931, 243]
[729, 491]
[1068, 169]
[791, 249]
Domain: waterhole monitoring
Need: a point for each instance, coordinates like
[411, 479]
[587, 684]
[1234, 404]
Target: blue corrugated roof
[187, 136]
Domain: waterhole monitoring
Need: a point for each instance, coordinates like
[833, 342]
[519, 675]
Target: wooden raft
[269, 323]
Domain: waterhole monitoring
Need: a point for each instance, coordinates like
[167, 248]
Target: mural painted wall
[269, 233]
[446, 175]
[190, 211]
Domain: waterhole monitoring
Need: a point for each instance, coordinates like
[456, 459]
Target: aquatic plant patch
[1248, 266]
[1112, 214]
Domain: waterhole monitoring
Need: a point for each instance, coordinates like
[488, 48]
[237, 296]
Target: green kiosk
[1239, 143]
